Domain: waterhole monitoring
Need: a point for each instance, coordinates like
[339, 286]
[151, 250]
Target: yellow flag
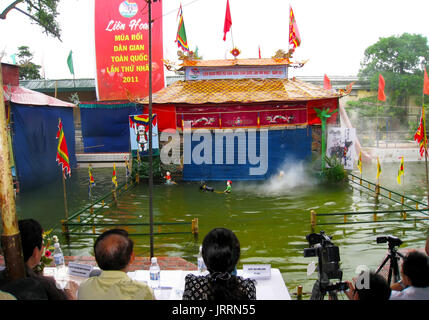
[114, 180]
[378, 168]
[359, 163]
[400, 171]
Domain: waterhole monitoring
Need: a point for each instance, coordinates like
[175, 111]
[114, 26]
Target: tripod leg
[396, 274]
[389, 278]
[382, 265]
[333, 295]
[316, 293]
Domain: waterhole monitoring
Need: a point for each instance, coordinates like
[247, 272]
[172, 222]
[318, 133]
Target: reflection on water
[270, 218]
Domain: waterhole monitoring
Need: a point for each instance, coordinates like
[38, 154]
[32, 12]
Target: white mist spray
[290, 177]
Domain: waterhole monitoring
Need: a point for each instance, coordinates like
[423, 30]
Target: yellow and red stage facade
[252, 94]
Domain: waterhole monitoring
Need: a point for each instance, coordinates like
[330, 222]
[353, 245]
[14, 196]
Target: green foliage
[28, 70]
[43, 12]
[74, 98]
[400, 60]
[334, 172]
[143, 167]
[46, 258]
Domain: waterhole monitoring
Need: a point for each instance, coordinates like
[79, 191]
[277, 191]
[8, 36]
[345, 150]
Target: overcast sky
[334, 33]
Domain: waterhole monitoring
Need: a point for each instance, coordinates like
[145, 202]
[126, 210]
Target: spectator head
[416, 268]
[221, 250]
[113, 250]
[378, 289]
[31, 233]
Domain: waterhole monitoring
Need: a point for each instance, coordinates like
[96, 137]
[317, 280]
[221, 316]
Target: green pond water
[271, 218]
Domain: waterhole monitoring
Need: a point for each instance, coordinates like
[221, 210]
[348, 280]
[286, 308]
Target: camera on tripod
[392, 257]
[393, 241]
[327, 252]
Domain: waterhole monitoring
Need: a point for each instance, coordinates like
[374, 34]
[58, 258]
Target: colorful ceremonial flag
[381, 84]
[228, 21]
[294, 38]
[181, 40]
[400, 171]
[426, 83]
[378, 168]
[91, 182]
[114, 180]
[359, 163]
[259, 50]
[327, 83]
[62, 152]
[420, 135]
[70, 62]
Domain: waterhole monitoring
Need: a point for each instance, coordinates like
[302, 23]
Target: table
[173, 283]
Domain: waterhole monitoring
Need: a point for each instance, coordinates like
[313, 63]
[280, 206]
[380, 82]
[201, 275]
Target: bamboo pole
[299, 293]
[195, 227]
[10, 238]
[313, 220]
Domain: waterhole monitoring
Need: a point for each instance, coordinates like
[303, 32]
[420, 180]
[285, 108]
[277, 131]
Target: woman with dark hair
[221, 251]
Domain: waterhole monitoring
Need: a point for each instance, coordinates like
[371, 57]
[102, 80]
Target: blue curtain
[284, 146]
[105, 127]
[34, 131]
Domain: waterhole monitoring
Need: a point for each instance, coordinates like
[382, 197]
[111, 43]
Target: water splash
[289, 179]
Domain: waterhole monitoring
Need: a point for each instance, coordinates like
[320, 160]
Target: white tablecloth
[173, 283]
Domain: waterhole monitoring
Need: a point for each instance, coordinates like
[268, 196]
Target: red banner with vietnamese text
[122, 49]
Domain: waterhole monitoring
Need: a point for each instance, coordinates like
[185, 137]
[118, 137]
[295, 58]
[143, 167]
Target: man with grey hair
[114, 254]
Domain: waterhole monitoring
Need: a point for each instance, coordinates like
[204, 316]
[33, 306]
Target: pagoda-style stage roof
[236, 62]
[239, 91]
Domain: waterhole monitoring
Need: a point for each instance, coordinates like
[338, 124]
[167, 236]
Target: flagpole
[424, 135]
[65, 196]
[64, 186]
[150, 131]
[232, 38]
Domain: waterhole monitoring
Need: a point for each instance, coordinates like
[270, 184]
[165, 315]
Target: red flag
[381, 83]
[294, 38]
[426, 84]
[259, 49]
[420, 135]
[62, 152]
[228, 21]
[327, 83]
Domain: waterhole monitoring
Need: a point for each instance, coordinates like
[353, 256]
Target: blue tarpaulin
[34, 131]
[280, 148]
[105, 127]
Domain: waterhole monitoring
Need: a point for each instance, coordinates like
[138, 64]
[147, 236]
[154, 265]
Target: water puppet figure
[168, 179]
[281, 174]
[228, 187]
[206, 188]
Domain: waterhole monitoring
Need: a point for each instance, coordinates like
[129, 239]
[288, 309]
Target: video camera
[328, 254]
[393, 241]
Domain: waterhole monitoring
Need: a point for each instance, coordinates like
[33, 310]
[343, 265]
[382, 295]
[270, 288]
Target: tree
[28, 70]
[400, 60]
[43, 12]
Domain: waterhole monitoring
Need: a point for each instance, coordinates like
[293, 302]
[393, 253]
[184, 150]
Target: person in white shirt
[415, 278]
